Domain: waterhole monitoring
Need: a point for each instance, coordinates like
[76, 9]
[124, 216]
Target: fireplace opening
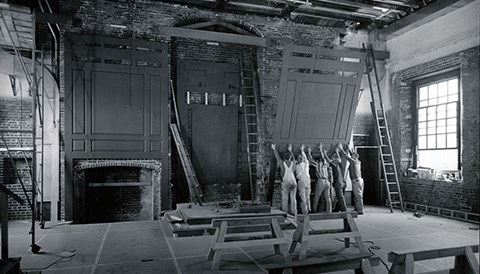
[118, 193]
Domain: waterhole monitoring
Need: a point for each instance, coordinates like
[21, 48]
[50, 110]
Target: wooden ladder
[249, 90]
[196, 194]
[389, 170]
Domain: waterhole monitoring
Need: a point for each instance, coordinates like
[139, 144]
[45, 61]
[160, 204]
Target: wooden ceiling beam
[198, 3]
[254, 8]
[214, 36]
[337, 14]
[420, 17]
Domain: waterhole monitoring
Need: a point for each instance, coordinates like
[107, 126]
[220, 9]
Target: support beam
[378, 54]
[420, 17]
[214, 36]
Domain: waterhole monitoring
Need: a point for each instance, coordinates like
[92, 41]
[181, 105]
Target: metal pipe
[34, 117]
[43, 138]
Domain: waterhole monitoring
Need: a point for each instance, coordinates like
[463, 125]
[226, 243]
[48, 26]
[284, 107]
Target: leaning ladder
[196, 194]
[389, 170]
[249, 91]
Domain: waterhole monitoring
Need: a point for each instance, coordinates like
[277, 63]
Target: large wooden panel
[214, 144]
[116, 103]
[318, 96]
[210, 131]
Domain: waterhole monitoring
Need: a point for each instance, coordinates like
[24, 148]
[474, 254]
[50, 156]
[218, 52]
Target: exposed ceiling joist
[336, 14]
[420, 17]
[253, 8]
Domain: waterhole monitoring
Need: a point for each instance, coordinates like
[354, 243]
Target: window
[438, 118]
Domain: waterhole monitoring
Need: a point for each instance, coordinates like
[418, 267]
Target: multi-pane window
[438, 124]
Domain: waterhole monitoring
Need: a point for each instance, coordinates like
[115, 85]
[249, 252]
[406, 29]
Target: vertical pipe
[34, 127]
[42, 159]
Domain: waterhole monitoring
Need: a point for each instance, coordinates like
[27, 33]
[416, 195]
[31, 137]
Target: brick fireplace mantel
[114, 199]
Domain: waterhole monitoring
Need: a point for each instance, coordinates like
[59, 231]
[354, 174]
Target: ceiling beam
[420, 17]
[214, 36]
[253, 8]
[336, 14]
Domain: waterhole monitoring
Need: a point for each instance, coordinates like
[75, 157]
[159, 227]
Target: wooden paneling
[318, 95]
[123, 103]
[210, 132]
[116, 103]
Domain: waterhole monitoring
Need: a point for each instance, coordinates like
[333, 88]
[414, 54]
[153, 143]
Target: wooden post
[403, 266]
[4, 216]
[271, 179]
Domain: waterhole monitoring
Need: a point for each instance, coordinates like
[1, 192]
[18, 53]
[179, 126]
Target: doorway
[371, 173]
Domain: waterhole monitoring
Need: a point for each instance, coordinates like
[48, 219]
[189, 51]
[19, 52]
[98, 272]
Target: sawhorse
[238, 232]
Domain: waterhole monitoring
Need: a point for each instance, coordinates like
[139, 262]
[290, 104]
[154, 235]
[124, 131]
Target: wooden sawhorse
[238, 232]
[303, 234]
[465, 261]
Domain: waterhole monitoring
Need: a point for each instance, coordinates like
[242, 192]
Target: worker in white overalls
[302, 169]
[356, 177]
[289, 184]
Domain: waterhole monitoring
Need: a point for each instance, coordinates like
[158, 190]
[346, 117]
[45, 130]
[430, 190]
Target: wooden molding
[214, 36]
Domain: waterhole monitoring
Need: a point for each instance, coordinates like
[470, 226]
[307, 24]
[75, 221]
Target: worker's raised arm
[302, 152]
[275, 152]
[346, 155]
[310, 158]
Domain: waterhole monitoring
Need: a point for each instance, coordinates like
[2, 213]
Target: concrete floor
[149, 247]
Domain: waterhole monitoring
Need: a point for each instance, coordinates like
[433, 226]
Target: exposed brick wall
[450, 195]
[440, 194]
[17, 211]
[121, 203]
[15, 114]
[141, 21]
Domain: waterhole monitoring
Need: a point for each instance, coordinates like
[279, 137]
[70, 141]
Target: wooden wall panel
[116, 104]
[318, 95]
[78, 104]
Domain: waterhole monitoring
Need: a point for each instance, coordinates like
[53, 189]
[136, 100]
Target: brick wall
[117, 203]
[15, 114]
[141, 21]
[449, 195]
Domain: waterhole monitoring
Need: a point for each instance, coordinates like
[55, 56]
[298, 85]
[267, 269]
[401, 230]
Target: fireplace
[116, 190]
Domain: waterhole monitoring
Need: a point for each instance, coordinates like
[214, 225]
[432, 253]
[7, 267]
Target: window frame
[426, 81]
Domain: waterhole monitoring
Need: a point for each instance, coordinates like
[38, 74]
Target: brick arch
[192, 19]
[86, 164]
